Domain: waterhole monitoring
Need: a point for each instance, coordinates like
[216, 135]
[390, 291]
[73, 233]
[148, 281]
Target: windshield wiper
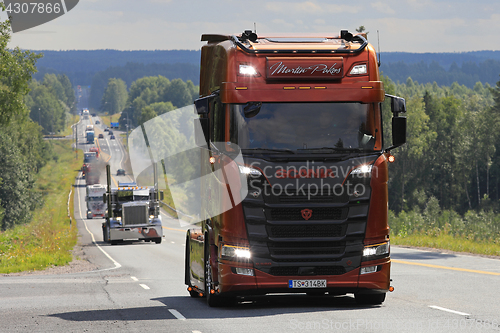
[270, 149]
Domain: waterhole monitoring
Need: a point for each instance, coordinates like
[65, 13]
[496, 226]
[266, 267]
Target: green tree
[69, 92]
[16, 68]
[46, 109]
[115, 96]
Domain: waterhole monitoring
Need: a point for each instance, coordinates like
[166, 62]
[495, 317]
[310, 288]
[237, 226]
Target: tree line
[467, 74]
[134, 71]
[448, 173]
[28, 109]
[147, 98]
[50, 101]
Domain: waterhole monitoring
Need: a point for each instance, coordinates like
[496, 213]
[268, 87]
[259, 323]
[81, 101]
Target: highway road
[139, 287]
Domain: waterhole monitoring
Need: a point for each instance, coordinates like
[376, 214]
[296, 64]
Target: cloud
[310, 7]
[383, 8]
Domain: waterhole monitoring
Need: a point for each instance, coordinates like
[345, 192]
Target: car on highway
[97, 122]
[120, 172]
[101, 136]
[112, 137]
[106, 129]
[110, 132]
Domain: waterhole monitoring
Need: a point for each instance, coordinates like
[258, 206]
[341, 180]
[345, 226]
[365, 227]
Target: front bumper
[136, 232]
[263, 283]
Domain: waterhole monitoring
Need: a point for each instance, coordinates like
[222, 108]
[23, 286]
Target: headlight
[372, 252]
[249, 171]
[359, 70]
[119, 218]
[231, 252]
[363, 169]
[247, 70]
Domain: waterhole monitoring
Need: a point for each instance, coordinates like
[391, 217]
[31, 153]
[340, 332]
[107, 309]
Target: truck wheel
[105, 234]
[157, 240]
[214, 300]
[370, 299]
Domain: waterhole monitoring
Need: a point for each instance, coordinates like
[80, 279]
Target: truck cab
[306, 115]
[133, 213]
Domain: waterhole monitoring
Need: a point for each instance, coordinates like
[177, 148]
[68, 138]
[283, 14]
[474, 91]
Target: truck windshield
[299, 126]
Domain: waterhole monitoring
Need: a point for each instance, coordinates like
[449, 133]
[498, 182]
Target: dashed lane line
[448, 310]
[177, 314]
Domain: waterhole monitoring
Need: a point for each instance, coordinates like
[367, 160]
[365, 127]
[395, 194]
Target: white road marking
[134, 278]
[448, 310]
[195, 331]
[117, 265]
[144, 286]
[177, 314]
[172, 242]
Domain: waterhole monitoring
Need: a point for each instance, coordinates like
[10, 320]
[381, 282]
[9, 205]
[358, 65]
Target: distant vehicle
[106, 129]
[94, 115]
[97, 122]
[110, 132]
[90, 128]
[95, 150]
[133, 213]
[112, 137]
[89, 156]
[85, 114]
[95, 205]
[120, 172]
[101, 136]
[90, 136]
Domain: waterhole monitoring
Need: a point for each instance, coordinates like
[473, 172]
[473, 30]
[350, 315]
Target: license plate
[306, 283]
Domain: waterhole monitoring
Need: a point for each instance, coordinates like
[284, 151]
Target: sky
[403, 25]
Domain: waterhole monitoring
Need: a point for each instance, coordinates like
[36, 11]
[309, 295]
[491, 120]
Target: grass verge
[48, 240]
[448, 242]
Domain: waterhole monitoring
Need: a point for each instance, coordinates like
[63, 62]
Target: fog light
[367, 270]
[244, 271]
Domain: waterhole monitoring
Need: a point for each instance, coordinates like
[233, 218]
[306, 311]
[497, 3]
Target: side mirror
[201, 105]
[398, 131]
[398, 104]
[201, 131]
[104, 199]
[161, 195]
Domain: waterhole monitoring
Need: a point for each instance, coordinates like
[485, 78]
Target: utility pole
[76, 140]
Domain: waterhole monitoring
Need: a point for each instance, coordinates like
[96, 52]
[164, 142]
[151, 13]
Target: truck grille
[303, 196]
[135, 215]
[314, 230]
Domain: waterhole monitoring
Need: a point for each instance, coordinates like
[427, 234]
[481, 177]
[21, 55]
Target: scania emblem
[306, 213]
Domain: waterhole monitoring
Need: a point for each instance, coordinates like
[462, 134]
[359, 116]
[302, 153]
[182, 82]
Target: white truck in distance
[94, 198]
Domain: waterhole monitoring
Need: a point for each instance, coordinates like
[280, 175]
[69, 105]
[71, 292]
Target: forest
[447, 175]
[28, 109]
[445, 178]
